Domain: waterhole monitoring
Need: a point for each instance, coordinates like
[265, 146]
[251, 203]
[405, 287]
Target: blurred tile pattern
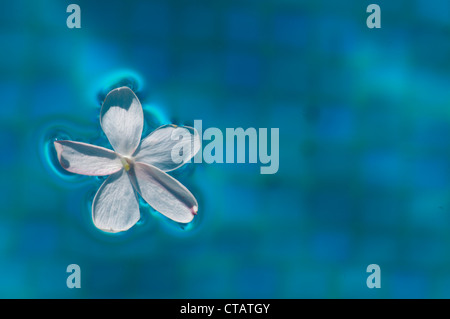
[364, 148]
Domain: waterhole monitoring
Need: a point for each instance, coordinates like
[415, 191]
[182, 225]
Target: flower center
[126, 162]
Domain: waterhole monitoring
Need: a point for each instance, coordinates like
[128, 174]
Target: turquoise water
[364, 148]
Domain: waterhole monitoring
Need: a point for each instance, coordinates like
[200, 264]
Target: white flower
[134, 165]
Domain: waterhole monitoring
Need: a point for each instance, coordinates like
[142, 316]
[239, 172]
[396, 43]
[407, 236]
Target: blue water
[364, 146]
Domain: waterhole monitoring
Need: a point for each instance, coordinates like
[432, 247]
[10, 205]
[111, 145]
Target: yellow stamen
[125, 164]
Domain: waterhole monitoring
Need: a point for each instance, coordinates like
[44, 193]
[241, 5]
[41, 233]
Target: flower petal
[87, 159]
[164, 193]
[115, 207]
[162, 148]
[122, 120]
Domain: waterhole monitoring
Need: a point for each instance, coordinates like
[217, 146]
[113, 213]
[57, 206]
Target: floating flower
[135, 166]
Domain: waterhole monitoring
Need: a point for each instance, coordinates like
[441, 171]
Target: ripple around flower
[154, 116]
[51, 132]
[115, 80]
